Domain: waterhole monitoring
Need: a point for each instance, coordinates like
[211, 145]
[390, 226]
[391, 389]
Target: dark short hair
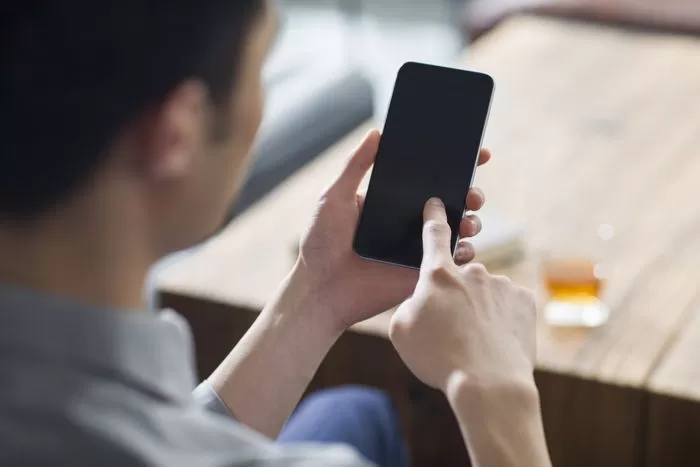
[75, 72]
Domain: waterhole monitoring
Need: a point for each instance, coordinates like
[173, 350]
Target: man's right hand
[472, 335]
[462, 321]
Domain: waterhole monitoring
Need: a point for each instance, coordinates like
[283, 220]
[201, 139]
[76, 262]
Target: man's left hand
[346, 288]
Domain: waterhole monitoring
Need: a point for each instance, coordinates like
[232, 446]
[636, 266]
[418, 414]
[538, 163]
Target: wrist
[500, 419]
[484, 390]
[263, 378]
[300, 304]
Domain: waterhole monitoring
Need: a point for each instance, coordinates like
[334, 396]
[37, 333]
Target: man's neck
[90, 259]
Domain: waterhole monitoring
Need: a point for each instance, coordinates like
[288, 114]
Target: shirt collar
[151, 352]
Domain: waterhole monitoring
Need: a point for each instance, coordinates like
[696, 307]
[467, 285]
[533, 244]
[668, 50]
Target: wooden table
[674, 401]
[589, 125]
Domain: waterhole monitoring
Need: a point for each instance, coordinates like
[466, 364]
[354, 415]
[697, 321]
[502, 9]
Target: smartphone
[429, 148]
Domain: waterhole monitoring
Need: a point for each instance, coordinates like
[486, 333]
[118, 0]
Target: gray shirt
[83, 386]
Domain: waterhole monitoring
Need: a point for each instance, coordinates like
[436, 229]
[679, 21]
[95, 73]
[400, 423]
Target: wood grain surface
[590, 125]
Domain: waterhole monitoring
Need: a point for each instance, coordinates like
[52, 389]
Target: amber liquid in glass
[572, 280]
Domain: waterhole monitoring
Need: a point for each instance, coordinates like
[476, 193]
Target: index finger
[436, 234]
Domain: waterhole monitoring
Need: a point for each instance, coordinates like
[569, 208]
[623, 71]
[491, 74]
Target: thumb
[357, 167]
[436, 234]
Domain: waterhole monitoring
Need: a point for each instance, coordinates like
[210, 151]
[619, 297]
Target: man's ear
[172, 134]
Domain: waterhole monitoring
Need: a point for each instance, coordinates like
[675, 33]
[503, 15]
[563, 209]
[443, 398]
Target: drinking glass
[574, 277]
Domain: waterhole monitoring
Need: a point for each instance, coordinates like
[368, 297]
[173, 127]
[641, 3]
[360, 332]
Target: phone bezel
[476, 160]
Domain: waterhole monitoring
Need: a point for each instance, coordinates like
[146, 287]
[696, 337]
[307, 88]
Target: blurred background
[334, 67]
[592, 203]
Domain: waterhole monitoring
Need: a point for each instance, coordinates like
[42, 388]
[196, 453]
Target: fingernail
[435, 202]
[462, 255]
[465, 251]
[474, 224]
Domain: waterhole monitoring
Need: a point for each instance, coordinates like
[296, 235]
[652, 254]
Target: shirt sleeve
[254, 449]
[206, 397]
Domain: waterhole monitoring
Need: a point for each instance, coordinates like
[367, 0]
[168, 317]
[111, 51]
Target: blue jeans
[359, 417]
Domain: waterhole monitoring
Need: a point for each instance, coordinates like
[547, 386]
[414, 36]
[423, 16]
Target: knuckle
[435, 227]
[441, 275]
[476, 272]
[395, 330]
[527, 298]
[502, 281]
[400, 325]
[328, 190]
[324, 198]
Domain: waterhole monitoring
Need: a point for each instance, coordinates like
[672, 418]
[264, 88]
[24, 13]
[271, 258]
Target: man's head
[141, 110]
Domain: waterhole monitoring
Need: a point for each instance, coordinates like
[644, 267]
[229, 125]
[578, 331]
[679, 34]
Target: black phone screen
[429, 148]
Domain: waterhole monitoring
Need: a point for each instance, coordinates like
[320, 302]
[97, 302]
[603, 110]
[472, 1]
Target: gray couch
[306, 115]
[315, 95]
[333, 68]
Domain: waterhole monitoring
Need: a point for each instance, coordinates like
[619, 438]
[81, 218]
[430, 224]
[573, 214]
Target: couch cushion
[672, 15]
[315, 95]
[304, 116]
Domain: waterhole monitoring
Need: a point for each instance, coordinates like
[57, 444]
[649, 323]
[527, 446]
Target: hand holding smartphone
[429, 149]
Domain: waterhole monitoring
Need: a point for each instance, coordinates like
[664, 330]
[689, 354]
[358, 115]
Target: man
[126, 131]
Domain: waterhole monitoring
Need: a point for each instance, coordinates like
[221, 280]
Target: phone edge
[471, 182]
